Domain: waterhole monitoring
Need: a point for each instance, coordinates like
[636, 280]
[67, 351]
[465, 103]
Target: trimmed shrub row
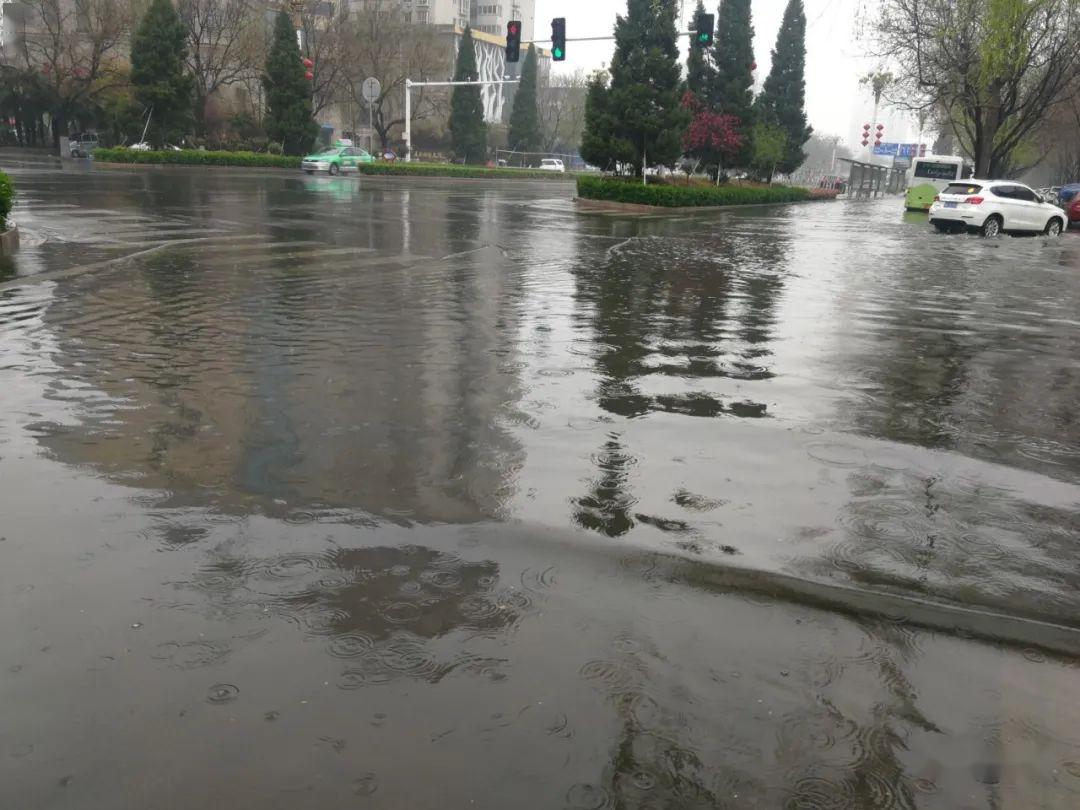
[674, 196]
[399, 167]
[193, 157]
[7, 198]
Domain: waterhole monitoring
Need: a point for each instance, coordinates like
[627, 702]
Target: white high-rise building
[491, 16]
[488, 16]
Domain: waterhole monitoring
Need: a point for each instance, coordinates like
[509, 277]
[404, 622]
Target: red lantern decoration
[753, 65]
[880, 127]
[309, 75]
[865, 143]
[866, 127]
[308, 63]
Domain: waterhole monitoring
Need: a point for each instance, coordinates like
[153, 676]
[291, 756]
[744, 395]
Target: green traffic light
[557, 52]
[703, 37]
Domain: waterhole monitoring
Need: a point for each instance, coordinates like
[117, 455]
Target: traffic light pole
[410, 84]
[592, 39]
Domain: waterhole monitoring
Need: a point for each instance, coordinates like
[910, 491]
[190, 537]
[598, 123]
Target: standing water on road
[324, 493]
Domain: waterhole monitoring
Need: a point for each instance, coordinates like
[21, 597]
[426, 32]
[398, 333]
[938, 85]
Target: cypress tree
[596, 147]
[467, 127]
[524, 135]
[288, 92]
[700, 71]
[783, 99]
[158, 50]
[645, 121]
[732, 92]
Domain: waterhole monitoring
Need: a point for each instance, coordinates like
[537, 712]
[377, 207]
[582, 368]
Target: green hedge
[193, 157]
[674, 196]
[7, 197]
[400, 168]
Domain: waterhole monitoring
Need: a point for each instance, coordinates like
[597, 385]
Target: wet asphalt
[339, 492]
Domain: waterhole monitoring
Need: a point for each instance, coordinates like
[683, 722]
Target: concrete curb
[9, 239]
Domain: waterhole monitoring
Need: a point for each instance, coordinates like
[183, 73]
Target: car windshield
[962, 188]
[327, 153]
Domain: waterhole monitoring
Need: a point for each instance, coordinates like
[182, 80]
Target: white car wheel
[1053, 227]
[992, 226]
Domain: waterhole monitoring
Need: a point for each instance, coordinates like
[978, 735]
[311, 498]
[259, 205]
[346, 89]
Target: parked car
[992, 207]
[143, 146]
[1066, 194]
[552, 165]
[81, 144]
[336, 159]
[1072, 211]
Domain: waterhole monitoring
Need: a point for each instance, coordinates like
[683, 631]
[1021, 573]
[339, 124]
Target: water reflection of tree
[913, 360]
[262, 376]
[662, 303]
[379, 609]
[606, 509]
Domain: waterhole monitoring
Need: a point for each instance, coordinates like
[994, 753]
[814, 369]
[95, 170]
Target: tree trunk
[991, 123]
[59, 127]
[199, 110]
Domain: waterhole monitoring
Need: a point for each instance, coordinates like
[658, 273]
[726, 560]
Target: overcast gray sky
[833, 52]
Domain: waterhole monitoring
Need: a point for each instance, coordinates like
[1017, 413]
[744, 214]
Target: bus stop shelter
[871, 180]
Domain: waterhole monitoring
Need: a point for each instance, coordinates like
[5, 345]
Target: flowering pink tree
[711, 138]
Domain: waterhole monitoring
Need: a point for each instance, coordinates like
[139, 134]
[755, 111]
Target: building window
[82, 16]
[421, 15]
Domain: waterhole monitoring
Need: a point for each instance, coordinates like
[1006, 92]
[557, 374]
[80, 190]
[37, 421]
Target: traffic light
[705, 25]
[513, 40]
[558, 39]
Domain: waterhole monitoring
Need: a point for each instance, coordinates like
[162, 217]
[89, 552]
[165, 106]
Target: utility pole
[297, 6]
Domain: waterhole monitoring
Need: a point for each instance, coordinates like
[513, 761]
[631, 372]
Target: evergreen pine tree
[158, 49]
[732, 92]
[640, 115]
[524, 135]
[596, 147]
[288, 92]
[783, 99]
[700, 71]
[467, 127]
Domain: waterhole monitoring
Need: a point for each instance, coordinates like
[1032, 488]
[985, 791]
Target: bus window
[936, 171]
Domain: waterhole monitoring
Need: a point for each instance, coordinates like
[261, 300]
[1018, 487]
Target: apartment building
[491, 16]
[488, 16]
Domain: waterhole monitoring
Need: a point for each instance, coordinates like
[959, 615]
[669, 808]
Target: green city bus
[928, 176]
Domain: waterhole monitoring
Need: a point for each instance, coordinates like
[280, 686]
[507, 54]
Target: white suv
[991, 207]
[552, 165]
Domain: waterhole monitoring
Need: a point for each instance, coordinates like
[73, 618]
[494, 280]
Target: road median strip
[633, 193]
[194, 157]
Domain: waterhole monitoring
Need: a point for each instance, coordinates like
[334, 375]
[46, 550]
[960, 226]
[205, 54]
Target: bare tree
[223, 47]
[76, 49]
[995, 66]
[386, 46]
[562, 111]
[326, 27]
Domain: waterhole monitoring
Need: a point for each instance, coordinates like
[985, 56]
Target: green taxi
[336, 160]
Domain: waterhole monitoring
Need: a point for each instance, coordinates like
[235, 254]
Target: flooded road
[327, 493]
